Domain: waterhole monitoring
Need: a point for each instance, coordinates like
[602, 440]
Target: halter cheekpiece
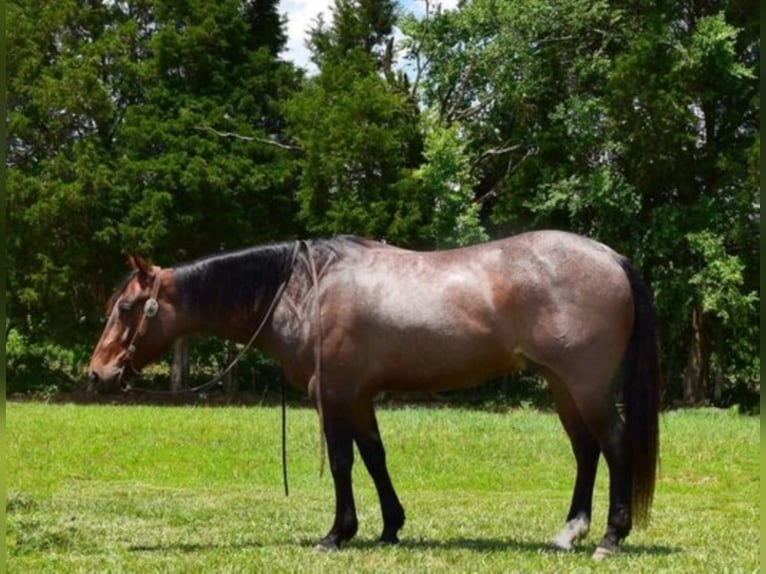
[151, 307]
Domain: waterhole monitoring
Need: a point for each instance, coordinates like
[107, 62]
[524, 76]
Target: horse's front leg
[338, 431]
[367, 437]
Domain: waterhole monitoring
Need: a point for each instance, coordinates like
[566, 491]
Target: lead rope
[317, 357]
[284, 435]
[150, 310]
[282, 390]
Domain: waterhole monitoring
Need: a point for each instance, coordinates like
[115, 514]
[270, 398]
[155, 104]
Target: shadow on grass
[504, 545]
[193, 547]
[460, 543]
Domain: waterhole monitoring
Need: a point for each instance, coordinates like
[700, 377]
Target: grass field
[153, 489]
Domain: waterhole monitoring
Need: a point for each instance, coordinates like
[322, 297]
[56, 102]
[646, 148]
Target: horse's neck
[225, 323]
[206, 308]
[290, 335]
[287, 333]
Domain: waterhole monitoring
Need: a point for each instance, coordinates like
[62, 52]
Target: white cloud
[418, 7]
[301, 15]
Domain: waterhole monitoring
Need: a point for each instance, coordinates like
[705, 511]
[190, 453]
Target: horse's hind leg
[370, 446]
[599, 413]
[586, 451]
[619, 520]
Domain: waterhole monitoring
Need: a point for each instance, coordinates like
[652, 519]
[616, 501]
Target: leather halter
[151, 306]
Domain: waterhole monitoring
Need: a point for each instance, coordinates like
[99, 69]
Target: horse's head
[140, 326]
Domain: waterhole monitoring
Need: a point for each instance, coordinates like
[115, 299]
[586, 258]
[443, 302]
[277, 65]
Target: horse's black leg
[339, 434]
[586, 451]
[370, 446]
[619, 520]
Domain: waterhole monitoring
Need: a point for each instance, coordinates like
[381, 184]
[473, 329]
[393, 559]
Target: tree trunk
[695, 384]
[718, 370]
[230, 379]
[179, 375]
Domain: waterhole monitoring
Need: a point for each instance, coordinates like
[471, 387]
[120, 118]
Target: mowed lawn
[173, 489]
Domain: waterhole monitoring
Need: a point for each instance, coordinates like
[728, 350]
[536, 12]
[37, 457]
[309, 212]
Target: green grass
[148, 489]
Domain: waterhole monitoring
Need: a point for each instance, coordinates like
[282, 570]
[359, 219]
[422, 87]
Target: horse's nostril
[93, 377]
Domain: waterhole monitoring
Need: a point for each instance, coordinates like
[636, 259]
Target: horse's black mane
[241, 276]
[237, 280]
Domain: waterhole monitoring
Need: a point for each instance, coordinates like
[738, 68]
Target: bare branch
[420, 65]
[510, 168]
[466, 113]
[443, 100]
[451, 114]
[266, 141]
[495, 151]
[551, 39]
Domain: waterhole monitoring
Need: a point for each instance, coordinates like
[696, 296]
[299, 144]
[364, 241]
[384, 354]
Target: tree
[358, 131]
[448, 183]
[358, 26]
[691, 127]
[524, 83]
[115, 111]
[631, 124]
[174, 129]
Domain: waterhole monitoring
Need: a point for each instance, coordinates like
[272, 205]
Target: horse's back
[446, 319]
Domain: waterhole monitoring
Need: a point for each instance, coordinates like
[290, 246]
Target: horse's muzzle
[106, 382]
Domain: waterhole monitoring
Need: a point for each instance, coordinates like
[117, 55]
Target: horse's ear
[139, 264]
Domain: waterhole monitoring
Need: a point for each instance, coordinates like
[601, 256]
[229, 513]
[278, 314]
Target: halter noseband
[150, 310]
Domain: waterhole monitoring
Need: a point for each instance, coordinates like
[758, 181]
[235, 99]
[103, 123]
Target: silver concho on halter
[151, 307]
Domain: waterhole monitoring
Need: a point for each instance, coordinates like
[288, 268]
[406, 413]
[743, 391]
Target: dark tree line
[176, 129]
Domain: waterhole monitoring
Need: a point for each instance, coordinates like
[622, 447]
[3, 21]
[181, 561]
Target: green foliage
[358, 131]
[719, 280]
[449, 183]
[113, 114]
[692, 120]
[360, 141]
[175, 129]
[40, 369]
[637, 127]
[358, 26]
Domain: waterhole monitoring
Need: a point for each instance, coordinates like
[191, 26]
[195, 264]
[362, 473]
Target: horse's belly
[443, 335]
[425, 360]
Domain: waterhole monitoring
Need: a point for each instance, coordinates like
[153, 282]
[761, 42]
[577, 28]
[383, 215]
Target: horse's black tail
[642, 386]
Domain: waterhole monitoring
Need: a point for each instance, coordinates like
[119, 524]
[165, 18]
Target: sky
[301, 14]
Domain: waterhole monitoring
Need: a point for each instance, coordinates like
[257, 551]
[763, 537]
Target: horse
[348, 318]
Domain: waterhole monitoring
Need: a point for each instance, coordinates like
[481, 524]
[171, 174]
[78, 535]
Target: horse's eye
[124, 306]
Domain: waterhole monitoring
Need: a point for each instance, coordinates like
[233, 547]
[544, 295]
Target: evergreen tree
[116, 111]
[358, 130]
[363, 26]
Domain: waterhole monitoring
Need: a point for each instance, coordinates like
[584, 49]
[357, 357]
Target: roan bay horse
[348, 318]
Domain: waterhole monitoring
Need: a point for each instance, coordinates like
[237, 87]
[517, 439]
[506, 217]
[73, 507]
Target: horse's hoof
[326, 545]
[573, 531]
[388, 540]
[557, 546]
[603, 552]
